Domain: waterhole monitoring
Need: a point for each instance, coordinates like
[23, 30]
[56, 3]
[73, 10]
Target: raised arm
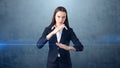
[42, 40]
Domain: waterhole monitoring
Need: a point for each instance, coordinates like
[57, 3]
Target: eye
[58, 16]
[63, 17]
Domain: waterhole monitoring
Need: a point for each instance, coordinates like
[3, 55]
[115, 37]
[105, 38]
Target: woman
[59, 34]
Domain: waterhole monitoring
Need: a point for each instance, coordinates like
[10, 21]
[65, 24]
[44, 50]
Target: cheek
[64, 20]
[56, 19]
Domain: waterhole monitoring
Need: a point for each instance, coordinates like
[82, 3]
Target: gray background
[95, 22]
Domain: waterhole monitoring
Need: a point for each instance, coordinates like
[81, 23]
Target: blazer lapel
[64, 34]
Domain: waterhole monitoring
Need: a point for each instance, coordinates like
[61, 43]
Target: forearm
[71, 48]
[49, 35]
[66, 47]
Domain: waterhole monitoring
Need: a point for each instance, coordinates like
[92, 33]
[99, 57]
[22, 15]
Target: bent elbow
[41, 42]
[39, 46]
[79, 48]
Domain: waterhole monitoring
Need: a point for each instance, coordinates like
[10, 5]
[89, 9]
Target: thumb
[57, 44]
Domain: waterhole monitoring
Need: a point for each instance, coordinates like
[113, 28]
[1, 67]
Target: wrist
[52, 33]
[69, 48]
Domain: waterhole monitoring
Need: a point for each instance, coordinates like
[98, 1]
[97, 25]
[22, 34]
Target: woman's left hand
[63, 46]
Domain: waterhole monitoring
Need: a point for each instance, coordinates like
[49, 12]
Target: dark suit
[66, 36]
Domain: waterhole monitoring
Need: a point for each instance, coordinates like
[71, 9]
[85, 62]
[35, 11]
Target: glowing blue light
[111, 38]
[2, 44]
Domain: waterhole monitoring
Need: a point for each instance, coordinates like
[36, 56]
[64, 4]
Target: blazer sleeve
[42, 40]
[77, 44]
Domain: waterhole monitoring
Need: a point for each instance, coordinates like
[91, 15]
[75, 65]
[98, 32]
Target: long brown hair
[60, 8]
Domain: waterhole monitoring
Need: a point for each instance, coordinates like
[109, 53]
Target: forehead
[61, 13]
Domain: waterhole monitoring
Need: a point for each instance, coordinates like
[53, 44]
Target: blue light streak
[1, 44]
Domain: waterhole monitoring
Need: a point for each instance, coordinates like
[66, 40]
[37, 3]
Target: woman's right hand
[55, 31]
[58, 28]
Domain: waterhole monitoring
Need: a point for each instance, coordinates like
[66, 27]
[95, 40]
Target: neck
[58, 24]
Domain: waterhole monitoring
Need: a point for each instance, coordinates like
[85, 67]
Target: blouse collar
[55, 26]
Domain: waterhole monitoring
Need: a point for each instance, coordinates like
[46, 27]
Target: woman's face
[60, 17]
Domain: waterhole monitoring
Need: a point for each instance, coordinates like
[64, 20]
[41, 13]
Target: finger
[57, 44]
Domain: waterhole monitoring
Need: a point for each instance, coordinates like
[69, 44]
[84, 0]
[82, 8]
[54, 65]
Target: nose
[61, 19]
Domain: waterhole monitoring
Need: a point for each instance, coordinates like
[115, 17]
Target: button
[58, 55]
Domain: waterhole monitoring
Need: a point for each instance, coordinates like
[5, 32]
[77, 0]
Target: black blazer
[67, 35]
